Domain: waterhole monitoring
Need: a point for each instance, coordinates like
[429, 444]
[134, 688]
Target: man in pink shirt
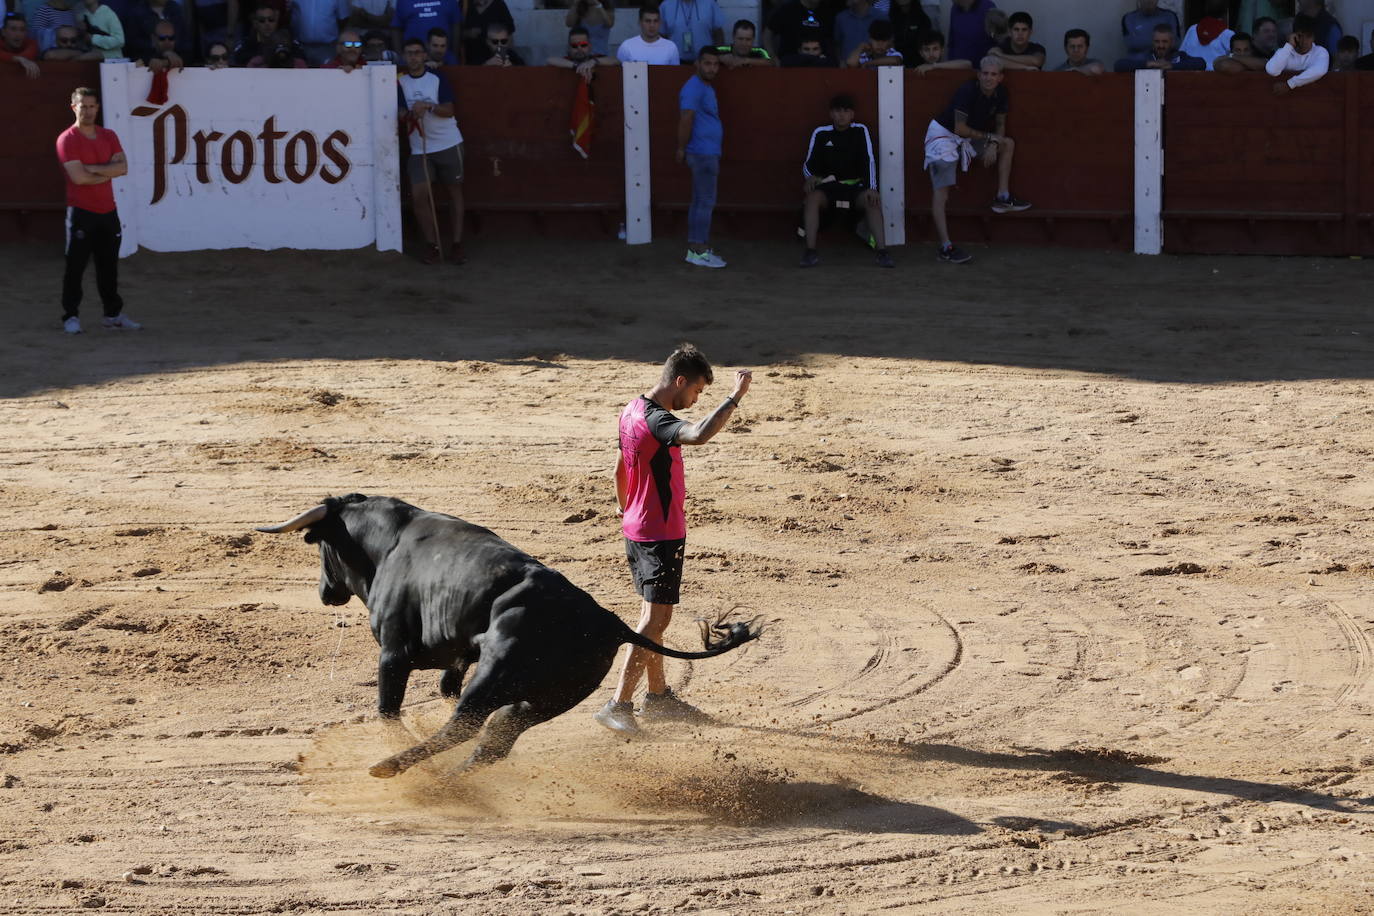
[91, 156]
[650, 490]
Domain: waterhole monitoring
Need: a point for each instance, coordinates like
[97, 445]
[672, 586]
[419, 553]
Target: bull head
[336, 586]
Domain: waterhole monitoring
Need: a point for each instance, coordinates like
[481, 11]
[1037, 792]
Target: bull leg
[393, 672]
[477, 702]
[504, 726]
[451, 683]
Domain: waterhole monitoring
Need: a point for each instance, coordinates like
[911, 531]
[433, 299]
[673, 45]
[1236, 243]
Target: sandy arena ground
[1066, 571]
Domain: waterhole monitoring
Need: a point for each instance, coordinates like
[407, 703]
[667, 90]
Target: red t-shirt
[73, 145]
[29, 49]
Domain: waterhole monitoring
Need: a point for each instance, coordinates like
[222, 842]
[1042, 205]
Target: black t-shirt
[1031, 48]
[1365, 63]
[980, 110]
[794, 23]
[806, 60]
[908, 25]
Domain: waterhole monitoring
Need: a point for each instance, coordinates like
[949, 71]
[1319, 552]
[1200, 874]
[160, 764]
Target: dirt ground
[1064, 558]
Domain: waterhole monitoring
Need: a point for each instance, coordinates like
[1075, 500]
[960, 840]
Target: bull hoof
[385, 770]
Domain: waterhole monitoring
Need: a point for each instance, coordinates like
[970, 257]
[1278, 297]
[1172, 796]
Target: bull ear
[304, 520]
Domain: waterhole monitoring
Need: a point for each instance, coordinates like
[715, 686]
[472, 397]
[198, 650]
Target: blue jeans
[705, 171]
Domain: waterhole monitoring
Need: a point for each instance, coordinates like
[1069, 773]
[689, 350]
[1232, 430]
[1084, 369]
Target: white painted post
[638, 218]
[116, 103]
[1149, 161]
[386, 156]
[892, 152]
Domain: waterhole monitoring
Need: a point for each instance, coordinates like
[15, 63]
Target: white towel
[943, 145]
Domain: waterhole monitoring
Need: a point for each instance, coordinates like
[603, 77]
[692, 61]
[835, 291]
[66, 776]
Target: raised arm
[702, 432]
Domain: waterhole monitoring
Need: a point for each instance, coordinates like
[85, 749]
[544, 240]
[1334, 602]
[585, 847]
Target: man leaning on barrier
[973, 125]
[1164, 55]
[1301, 54]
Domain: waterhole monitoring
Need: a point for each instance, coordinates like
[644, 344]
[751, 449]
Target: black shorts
[840, 196]
[657, 568]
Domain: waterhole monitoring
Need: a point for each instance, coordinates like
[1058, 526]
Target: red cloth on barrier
[157, 93]
[583, 119]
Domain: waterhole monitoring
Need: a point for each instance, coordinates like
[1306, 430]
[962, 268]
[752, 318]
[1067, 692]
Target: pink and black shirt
[655, 486]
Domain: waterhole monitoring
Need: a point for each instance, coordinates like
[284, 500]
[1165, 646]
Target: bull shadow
[1116, 767]
[1165, 318]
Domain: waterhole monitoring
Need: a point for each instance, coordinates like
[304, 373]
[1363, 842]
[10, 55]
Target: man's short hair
[375, 35]
[1077, 33]
[437, 32]
[1241, 36]
[264, 5]
[578, 30]
[743, 24]
[881, 30]
[412, 41]
[1255, 26]
[1021, 16]
[687, 361]
[1164, 27]
[1304, 24]
[931, 37]
[991, 61]
[648, 8]
[83, 92]
[711, 50]
[496, 28]
[1348, 43]
[842, 102]
[13, 16]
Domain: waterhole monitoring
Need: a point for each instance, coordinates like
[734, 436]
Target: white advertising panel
[256, 158]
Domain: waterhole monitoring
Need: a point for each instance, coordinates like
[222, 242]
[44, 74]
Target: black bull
[442, 593]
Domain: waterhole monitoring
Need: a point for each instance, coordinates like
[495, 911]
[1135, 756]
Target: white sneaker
[120, 323]
[72, 325]
[716, 260]
[703, 259]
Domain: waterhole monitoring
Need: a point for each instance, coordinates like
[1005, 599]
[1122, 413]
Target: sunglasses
[498, 41]
[264, 18]
[166, 38]
[579, 44]
[351, 44]
[216, 58]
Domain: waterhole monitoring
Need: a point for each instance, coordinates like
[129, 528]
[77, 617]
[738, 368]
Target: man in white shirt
[1209, 38]
[648, 45]
[1300, 53]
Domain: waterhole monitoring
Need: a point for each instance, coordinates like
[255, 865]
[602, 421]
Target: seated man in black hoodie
[841, 174]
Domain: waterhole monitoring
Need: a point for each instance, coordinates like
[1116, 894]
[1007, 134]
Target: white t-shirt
[661, 51]
[1192, 45]
[440, 133]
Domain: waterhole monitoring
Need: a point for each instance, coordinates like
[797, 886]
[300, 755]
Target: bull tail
[717, 635]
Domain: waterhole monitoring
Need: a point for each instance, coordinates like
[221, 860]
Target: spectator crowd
[797, 33]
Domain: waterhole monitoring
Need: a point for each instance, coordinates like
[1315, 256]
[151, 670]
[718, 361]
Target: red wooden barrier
[1075, 145]
[1244, 171]
[1248, 172]
[34, 112]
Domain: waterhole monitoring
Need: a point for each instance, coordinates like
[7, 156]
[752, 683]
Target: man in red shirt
[91, 156]
[17, 46]
[650, 490]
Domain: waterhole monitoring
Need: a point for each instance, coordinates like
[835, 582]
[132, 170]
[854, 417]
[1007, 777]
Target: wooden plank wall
[1245, 171]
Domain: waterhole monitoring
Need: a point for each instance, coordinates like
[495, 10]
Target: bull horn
[304, 520]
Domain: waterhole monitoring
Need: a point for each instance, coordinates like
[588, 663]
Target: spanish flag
[583, 119]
